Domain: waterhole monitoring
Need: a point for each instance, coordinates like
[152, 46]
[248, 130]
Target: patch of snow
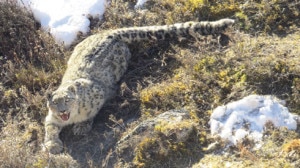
[248, 116]
[140, 3]
[65, 18]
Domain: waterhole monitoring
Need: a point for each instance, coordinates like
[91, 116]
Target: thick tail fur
[187, 29]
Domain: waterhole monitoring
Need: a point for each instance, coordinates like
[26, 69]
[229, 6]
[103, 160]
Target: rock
[156, 139]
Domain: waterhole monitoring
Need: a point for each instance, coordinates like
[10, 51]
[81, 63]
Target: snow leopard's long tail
[187, 29]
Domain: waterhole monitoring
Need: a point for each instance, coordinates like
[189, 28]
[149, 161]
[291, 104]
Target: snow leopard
[95, 67]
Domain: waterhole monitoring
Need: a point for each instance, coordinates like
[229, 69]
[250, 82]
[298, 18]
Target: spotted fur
[95, 67]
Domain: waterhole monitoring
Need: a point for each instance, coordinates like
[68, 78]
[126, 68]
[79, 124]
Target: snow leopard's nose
[62, 111]
[62, 108]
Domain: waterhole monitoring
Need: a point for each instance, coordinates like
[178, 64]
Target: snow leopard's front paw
[54, 147]
[83, 128]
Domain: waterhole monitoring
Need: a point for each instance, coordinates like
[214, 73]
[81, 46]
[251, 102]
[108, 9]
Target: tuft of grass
[156, 95]
[293, 145]
[275, 16]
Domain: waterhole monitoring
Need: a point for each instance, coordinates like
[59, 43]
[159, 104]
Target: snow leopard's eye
[67, 99]
[54, 102]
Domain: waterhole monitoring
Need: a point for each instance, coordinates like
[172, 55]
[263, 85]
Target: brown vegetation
[260, 55]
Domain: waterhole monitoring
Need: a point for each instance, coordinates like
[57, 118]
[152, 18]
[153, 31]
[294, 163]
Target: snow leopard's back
[91, 57]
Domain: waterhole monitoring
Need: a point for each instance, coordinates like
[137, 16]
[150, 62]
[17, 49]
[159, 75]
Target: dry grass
[30, 62]
[261, 57]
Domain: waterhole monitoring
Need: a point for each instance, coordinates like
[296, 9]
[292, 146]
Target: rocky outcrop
[158, 140]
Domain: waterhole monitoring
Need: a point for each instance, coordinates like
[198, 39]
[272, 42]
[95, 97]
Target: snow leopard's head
[62, 102]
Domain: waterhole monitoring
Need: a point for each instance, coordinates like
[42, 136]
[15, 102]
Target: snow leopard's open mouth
[65, 116]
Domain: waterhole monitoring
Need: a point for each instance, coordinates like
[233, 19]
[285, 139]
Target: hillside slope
[259, 55]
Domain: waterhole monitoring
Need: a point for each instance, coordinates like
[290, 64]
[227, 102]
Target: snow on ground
[65, 18]
[247, 117]
[140, 3]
